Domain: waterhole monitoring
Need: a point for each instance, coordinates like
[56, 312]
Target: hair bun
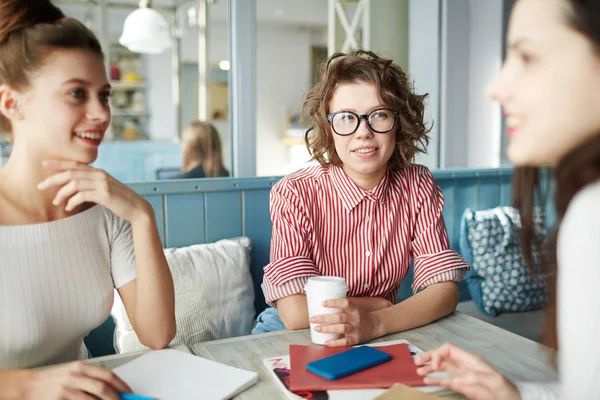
[16, 15]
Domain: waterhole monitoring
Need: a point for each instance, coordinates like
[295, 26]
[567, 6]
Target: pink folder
[401, 369]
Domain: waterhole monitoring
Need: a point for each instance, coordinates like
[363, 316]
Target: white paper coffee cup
[318, 289]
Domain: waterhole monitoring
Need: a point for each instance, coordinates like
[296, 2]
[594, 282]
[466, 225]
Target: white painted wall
[423, 66]
[472, 54]
[283, 77]
[484, 63]
[454, 116]
[389, 30]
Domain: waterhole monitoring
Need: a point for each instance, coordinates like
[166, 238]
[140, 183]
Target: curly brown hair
[395, 90]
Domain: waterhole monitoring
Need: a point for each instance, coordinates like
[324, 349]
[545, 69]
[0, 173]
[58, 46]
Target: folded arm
[149, 299]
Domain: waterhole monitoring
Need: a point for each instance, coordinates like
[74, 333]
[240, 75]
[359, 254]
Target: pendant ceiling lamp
[146, 31]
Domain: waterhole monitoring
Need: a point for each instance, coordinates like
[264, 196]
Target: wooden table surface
[117, 360]
[515, 356]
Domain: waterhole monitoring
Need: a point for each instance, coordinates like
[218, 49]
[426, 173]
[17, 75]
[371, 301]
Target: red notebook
[401, 369]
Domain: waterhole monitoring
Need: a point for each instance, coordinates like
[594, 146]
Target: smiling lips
[92, 137]
[513, 124]
[365, 152]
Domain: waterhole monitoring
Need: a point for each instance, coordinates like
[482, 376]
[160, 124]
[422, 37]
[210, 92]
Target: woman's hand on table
[76, 380]
[79, 183]
[472, 376]
[354, 322]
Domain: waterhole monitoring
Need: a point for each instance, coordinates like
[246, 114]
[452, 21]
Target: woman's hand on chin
[79, 183]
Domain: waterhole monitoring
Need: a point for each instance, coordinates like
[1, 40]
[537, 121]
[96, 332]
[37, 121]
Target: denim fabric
[268, 321]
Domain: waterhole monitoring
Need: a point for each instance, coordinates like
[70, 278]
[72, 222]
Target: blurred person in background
[201, 155]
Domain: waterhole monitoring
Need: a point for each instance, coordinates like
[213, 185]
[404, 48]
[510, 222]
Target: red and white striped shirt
[323, 224]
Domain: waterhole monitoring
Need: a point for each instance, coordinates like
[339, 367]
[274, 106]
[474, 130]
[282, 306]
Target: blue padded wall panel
[405, 290]
[257, 226]
[223, 212]
[447, 186]
[185, 219]
[489, 193]
[465, 196]
[156, 201]
[506, 191]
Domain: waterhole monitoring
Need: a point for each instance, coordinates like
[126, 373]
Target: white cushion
[214, 295]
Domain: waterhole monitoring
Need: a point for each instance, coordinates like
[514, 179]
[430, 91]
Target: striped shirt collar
[351, 195]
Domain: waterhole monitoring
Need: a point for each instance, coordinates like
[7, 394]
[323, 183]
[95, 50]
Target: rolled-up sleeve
[434, 260]
[291, 263]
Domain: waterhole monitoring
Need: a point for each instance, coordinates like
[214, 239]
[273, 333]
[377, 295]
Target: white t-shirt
[578, 303]
[57, 281]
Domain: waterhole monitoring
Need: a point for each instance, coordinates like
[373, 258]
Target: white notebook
[175, 375]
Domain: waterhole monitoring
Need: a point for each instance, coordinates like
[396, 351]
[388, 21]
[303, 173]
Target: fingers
[107, 376]
[475, 392]
[477, 385]
[93, 388]
[423, 358]
[338, 318]
[85, 379]
[345, 341]
[72, 188]
[460, 355]
[62, 178]
[340, 329]
[344, 303]
[434, 357]
[80, 198]
[77, 395]
[444, 366]
[455, 355]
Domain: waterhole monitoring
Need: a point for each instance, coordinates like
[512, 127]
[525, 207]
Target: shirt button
[368, 253]
[368, 218]
[367, 285]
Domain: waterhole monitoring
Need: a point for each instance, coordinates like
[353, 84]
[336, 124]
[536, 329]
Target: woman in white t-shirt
[549, 89]
[69, 233]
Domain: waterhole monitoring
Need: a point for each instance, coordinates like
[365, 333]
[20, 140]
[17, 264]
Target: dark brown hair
[29, 31]
[395, 90]
[575, 171]
[205, 147]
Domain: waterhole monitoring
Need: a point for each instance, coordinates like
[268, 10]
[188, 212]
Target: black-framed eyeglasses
[345, 123]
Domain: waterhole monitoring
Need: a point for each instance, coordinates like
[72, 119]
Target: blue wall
[137, 161]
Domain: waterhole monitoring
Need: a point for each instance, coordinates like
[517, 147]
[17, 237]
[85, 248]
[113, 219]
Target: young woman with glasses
[365, 211]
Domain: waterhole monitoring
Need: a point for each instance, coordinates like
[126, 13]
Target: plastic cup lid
[326, 284]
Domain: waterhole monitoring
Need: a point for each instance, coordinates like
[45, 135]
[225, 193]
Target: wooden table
[117, 360]
[515, 356]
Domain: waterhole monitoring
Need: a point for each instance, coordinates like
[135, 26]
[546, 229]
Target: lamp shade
[146, 31]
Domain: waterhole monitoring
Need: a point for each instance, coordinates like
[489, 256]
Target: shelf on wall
[127, 86]
[123, 113]
[291, 141]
